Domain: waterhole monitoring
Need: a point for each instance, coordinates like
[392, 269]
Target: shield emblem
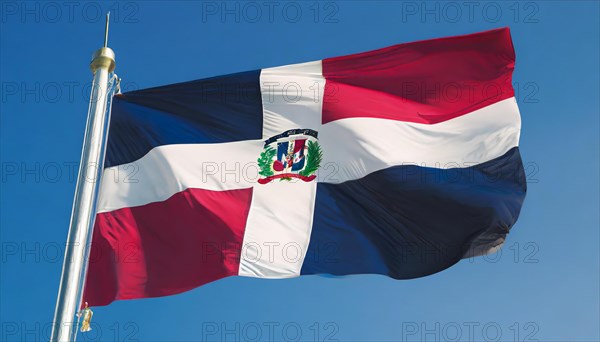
[288, 155]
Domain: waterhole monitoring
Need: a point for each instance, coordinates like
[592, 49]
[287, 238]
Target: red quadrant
[168, 247]
[426, 82]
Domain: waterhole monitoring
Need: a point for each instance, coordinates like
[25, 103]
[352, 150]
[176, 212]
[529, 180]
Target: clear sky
[543, 285]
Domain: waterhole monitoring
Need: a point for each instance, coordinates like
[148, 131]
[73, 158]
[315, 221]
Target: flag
[399, 161]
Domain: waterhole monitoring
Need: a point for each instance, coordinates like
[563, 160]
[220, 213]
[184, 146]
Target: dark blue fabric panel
[215, 110]
[410, 221]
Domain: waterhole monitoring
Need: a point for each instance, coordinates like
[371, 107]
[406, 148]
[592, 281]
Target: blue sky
[543, 285]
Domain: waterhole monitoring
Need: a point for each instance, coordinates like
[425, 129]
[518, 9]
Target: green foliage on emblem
[313, 161]
[265, 161]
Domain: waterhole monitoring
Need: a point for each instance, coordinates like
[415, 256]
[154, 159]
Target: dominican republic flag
[399, 161]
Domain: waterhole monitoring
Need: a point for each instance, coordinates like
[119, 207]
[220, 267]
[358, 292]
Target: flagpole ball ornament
[103, 58]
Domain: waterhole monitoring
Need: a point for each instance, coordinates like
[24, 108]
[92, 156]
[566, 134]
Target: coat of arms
[292, 154]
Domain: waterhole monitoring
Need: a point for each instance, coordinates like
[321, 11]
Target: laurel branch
[313, 161]
[265, 161]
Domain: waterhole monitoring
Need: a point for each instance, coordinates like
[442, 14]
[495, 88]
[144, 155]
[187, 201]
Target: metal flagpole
[91, 165]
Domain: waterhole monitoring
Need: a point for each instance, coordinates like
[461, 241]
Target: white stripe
[280, 218]
[355, 147]
[278, 229]
[169, 169]
[292, 97]
[352, 149]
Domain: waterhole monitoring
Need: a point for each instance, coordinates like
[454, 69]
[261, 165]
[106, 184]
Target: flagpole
[83, 213]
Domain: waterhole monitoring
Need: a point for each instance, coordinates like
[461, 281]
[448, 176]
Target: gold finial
[104, 57]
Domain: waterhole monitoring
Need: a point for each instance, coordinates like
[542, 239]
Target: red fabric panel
[425, 82]
[168, 247]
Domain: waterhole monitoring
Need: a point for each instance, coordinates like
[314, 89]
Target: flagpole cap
[104, 58]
